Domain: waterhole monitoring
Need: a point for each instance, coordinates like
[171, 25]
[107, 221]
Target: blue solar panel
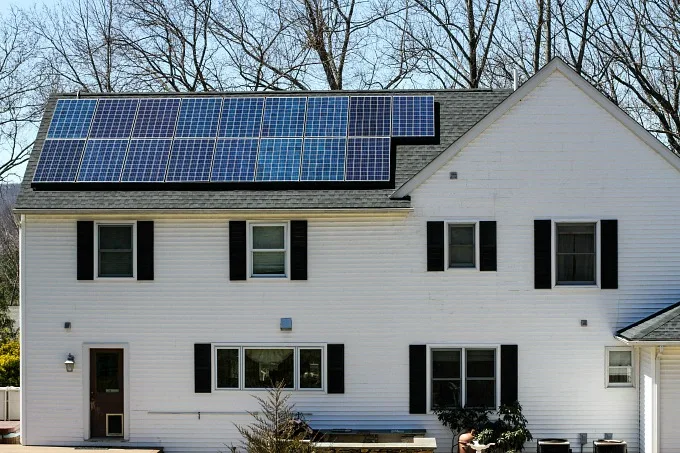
[368, 159]
[327, 117]
[190, 160]
[241, 117]
[279, 159]
[59, 160]
[146, 161]
[156, 118]
[113, 118]
[413, 116]
[369, 116]
[199, 117]
[71, 118]
[235, 160]
[103, 161]
[284, 117]
[324, 159]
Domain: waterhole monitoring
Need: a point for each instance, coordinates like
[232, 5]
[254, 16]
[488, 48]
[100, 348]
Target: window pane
[480, 363]
[445, 393]
[265, 368]
[310, 369]
[115, 237]
[227, 368]
[461, 234]
[480, 393]
[446, 364]
[620, 375]
[107, 372]
[115, 264]
[268, 237]
[269, 263]
[461, 245]
[576, 268]
[620, 358]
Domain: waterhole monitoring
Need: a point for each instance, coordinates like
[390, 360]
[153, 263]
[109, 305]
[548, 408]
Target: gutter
[647, 342]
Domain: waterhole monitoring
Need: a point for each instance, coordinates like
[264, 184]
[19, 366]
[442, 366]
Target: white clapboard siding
[555, 155]
[669, 401]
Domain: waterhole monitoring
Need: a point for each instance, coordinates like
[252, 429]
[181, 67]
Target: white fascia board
[556, 64]
[628, 342]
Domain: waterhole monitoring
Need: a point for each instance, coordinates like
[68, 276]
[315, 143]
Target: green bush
[9, 363]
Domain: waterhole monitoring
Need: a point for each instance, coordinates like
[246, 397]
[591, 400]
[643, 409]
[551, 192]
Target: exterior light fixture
[70, 363]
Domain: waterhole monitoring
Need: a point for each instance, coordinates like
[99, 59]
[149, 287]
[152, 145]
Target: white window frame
[241, 347]
[286, 250]
[463, 372]
[553, 253]
[134, 249]
[633, 366]
[475, 225]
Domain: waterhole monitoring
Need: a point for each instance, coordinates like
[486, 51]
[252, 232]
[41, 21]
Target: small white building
[189, 249]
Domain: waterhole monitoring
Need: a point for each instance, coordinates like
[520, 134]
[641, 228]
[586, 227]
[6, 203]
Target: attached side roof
[662, 326]
[555, 65]
[459, 110]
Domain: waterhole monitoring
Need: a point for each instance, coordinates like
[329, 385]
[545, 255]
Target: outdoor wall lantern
[70, 363]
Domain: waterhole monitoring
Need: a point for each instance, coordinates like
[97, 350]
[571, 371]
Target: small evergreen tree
[275, 428]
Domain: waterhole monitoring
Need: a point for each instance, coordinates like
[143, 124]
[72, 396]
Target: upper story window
[268, 250]
[115, 250]
[576, 253]
[619, 367]
[462, 249]
[463, 377]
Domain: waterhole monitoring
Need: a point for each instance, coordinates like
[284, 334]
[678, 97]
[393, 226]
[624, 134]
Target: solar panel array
[233, 139]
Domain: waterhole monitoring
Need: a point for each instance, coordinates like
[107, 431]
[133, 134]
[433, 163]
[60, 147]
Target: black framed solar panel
[232, 139]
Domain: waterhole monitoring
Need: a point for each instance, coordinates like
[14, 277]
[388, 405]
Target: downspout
[22, 327]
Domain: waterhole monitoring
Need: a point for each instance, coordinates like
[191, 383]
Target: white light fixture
[70, 363]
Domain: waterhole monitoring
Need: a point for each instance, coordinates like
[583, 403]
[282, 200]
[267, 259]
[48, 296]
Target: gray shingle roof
[459, 111]
[663, 325]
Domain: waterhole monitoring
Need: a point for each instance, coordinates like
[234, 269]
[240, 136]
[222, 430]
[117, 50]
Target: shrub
[9, 363]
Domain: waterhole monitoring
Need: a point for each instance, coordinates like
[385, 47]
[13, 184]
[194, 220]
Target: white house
[501, 255]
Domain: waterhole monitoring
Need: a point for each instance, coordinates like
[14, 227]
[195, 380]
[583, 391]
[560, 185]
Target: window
[619, 367]
[250, 367]
[470, 382]
[115, 249]
[462, 245]
[268, 250]
[576, 254]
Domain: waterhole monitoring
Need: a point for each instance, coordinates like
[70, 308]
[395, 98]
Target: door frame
[86, 387]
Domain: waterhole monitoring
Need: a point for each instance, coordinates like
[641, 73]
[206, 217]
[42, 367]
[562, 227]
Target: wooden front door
[106, 393]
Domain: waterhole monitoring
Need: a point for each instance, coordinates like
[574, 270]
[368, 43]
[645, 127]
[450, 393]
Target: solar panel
[199, 117]
[327, 116]
[413, 116]
[235, 160]
[241, 117]
[279, 159]
[368, 159]
[59, 160]
[71, 118]
[102, 161]
[284, 117]
[156, 118]
[146, 161]
[323, 159]
[190, 160]
[113, 118]
[369, 116]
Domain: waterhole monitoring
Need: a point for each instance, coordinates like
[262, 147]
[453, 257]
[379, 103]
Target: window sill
[584, 286]
[620, 386]
[115, 279]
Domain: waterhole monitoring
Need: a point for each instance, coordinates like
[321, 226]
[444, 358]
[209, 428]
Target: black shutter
[202, 355]
[509, 374]
[298, 250]
[417, 381]
[335, 354]
[487, 246]
[238, 250]
[609, 254]
[85, 252]
[542, 251]
[435, 246]
[145, 250]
